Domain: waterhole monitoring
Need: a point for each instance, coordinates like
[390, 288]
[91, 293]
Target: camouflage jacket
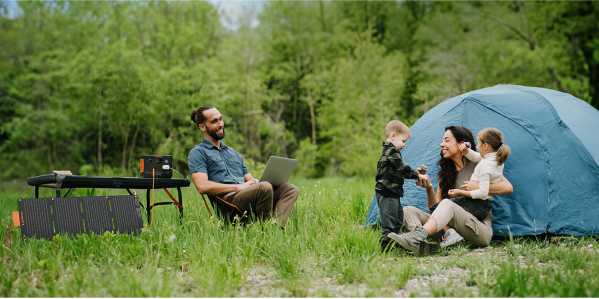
[391, 172]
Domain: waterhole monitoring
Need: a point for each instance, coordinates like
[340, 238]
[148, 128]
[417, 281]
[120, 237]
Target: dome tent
[554, 161]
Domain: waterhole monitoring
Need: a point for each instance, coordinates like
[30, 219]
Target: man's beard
[214, 135]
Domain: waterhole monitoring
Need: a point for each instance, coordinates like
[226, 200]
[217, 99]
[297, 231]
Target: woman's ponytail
[502, 153]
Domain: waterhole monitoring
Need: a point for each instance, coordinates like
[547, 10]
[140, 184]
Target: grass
[324, 252]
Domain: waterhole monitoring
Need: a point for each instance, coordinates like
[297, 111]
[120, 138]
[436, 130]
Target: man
[219, 171]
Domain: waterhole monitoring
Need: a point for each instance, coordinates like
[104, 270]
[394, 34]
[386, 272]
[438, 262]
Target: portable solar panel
[47, 217]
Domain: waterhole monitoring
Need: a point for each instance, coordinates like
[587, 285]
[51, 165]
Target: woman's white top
[486, 173]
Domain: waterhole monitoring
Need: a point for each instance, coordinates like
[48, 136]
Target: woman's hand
[453, 193]
[424, 181]
[470, 185]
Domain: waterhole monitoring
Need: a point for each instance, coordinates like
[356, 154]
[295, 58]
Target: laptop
[278, 170]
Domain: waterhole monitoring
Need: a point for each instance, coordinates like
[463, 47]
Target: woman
[454, 173]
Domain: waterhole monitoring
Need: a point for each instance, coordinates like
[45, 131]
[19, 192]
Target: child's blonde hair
[494, 138]
[397, 127]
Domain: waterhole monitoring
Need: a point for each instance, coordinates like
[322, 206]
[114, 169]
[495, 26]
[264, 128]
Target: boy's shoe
[451, 237]
[412, 240]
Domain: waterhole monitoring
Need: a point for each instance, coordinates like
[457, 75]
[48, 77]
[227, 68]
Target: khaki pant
[262, 200]
[449, 213]
[413, 217]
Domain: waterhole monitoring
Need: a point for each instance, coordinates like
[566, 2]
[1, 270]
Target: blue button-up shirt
[222, 165]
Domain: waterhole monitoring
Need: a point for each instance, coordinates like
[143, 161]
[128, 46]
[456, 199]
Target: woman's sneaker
[412, 240]
[391, 245]
[427, 247]
[451, 237]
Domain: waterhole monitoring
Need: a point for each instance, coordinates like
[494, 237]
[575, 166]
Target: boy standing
[390, 174]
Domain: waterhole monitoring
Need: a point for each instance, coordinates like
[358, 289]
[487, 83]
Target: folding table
[60, 181]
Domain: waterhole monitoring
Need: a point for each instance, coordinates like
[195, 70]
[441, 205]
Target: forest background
[91, 86]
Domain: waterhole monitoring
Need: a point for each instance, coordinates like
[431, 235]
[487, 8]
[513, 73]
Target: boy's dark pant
[391, 213]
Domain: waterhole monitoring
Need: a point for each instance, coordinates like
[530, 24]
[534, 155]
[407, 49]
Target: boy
[390, 174]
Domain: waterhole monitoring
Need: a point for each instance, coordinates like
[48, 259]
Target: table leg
[148, 207]
[181, 203]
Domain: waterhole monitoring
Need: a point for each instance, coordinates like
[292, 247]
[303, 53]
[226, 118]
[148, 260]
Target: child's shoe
[451, 237]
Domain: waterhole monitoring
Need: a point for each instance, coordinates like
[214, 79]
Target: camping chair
[225, 210]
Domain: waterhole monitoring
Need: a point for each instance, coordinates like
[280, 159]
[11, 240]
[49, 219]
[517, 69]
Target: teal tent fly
[554, 161]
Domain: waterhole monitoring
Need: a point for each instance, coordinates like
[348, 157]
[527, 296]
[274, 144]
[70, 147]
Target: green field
[324, 252]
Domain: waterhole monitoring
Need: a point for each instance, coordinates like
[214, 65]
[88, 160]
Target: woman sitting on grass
[454, 173]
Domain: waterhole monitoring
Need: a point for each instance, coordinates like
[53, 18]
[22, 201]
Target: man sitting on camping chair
[219, 171]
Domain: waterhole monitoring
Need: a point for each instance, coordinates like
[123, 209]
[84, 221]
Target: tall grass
[323, 247]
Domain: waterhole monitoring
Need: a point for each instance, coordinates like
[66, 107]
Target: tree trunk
[295, 102]
[49, 154]
[100, 141]
[458, 83]
[322, 19]
[556, 79]
[593, 66]
[382, 102]
[279, 134]
[245, 118]
[126, 133]
[132, 147]
[312, 117]
[247, 104]
[366, 122]
[529, 39]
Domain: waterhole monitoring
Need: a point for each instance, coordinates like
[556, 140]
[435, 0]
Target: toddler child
[390, 174]
[491, 157]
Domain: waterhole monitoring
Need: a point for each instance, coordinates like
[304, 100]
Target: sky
[232, 13]
[13, 9]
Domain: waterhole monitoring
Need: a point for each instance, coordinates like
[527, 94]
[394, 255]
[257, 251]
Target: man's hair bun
[198, 117]
[193, 115]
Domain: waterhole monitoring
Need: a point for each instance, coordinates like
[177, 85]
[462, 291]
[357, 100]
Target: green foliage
[307, 153]
[101, 83]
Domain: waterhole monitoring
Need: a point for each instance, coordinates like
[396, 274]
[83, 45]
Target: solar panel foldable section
[47, 217]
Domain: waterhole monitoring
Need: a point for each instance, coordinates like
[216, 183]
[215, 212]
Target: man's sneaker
[451, 237]
[412, 240]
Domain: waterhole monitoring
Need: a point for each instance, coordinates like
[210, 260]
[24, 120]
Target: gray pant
[391, 215]
[262, 200]
[478, 233]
